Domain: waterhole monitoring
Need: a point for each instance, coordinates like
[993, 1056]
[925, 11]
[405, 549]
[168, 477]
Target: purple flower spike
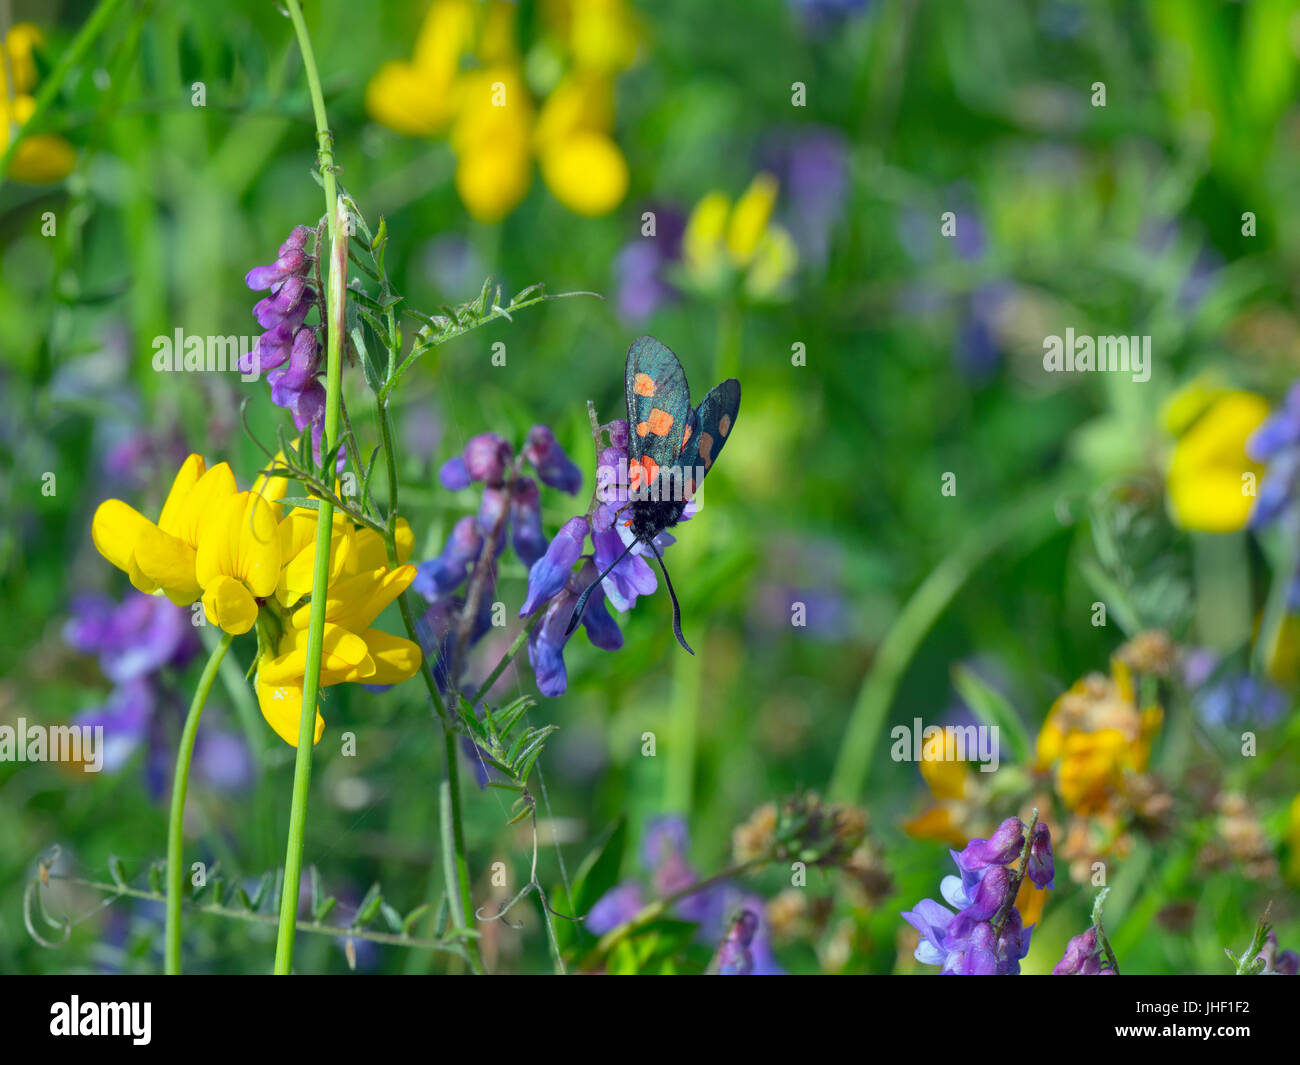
[550, 573]
[454, 476]
[486, 458]
[553, 466]
[448, 571]
[526, 537]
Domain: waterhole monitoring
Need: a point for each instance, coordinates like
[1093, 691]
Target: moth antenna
[677, 610]
[581, 604]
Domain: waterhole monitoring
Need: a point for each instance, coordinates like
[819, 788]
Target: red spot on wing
[659, 422]
[643, 385]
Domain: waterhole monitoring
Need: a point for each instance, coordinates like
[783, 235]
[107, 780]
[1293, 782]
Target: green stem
[325, 513]
[458, 888]
[507, 658]
[176, 820]
[1033, 518]
[50, 87]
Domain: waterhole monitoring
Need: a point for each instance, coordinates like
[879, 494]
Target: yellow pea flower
[580, 163]
[1207, 472]
[1094, 735]
[45, 157]
[418, 97]
[353, 651]
[723, 240]
[162, 556]
[489, 111]
[238, 561]
[599, 34]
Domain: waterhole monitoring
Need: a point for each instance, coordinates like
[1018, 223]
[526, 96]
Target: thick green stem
[325, 513]
[176, 820]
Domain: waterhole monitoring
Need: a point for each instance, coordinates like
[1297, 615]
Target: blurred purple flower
[643, 266]
[664, 857]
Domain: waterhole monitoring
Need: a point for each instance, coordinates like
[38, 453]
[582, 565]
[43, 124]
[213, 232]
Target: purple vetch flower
[822, 16]
[549, 574]
[487, 457]
[139, 643]
[289, 351]
[553, 466]
[966, 942]
[448, 571]
[1278, 963]
[1277, 442]
[812, 165]
[526, 536]
[292, 259]
[1224, 697]
[139, 636]
[643, 266]
[619, 904]
[734, 957]
[1082, 957]
[664, 858]
[454, 476]
[509, 513]
[547, 641]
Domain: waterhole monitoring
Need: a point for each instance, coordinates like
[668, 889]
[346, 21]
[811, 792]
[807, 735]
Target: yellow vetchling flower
[1094, 736]
[238, 561]
[1206, 480]
[361, 586]
[494, 126]
[162, 556]
[45, 157]
[722, 239]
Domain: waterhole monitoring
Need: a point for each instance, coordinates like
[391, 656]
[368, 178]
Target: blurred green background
[922, 355]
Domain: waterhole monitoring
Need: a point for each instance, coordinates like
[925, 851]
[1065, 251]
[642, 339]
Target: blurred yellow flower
[724, 240]
[953, 817]
[44, 157]
[1209, 489]
[1094, 736]
[495, 127]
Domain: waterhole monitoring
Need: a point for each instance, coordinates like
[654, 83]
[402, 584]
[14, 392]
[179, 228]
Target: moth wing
[658, 402]
[711, 425]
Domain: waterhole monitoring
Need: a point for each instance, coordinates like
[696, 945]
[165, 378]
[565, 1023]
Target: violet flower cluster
[967, 942]
[725, 914]
[140, 643]
[553, 583]
[289, 352]
[510, 510]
